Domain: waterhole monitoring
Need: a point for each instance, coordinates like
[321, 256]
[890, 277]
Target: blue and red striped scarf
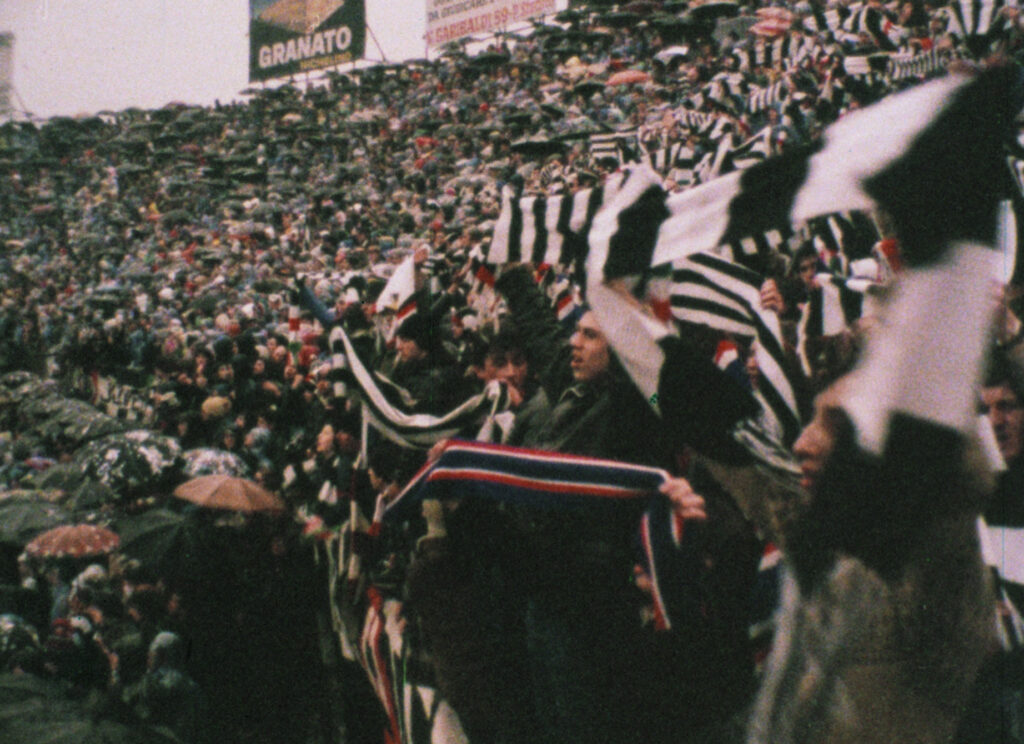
[551, 480]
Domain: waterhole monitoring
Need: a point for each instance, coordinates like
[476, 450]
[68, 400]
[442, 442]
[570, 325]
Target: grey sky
[78, 56]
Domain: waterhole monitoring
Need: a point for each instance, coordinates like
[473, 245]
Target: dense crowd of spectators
[199, 258]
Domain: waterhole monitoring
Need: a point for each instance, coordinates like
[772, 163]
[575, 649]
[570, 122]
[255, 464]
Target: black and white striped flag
[760, 99]
[849, 235]
[821, 21]
[911, 66]
[617, 147]
[977, 23]
[712, 291]
[547, 230]
[830, 309]
[935, 194]
[905, 165]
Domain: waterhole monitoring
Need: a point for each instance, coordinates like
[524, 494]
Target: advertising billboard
[291, 36]
[449, 20]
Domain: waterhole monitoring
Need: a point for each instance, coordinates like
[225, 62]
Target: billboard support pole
[376, 43]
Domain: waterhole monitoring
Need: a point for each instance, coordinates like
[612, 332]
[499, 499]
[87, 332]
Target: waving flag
[903, 165]
[708, 290]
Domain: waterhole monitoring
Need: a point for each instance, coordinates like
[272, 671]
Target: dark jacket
[605, 417]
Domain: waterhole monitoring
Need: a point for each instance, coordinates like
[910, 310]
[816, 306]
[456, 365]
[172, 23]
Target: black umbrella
[538, 147]
[61, 477]
[17, 378]
[553, 111]
[91, 495]
[489, 59]
[588, 87]
[620, 19]
[715, 9]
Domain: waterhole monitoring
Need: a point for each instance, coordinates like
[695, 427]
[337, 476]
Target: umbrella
[587, 87]
[131, 461]
[162, 540]
[227, 492]
[620, 19]
[35, 713]
[714, 9]
[538, 147]
[89, 495]
[769, 28]
[18, 378]
[16, 634]
[627, 77]
[62, 477]
[210, 461]
[489, 59]
[669, 54]
[22, 519]
[73, 541]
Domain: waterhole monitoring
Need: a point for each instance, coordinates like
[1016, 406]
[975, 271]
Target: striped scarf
[831, 307]
[760, 99]
[548, 480]
[387, 408]
[533, 478]
[923, 65]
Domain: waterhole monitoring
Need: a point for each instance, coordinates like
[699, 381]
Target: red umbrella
[73, 541]
[228, 492]
[628, 76]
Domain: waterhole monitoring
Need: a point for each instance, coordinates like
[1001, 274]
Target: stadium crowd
[213, 276]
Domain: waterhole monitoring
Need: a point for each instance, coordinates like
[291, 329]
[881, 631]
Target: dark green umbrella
[518, 119]
[91, 495]
[168, 542]
[176, 217]
[569, 15]
[619, 19]
[17, 379]
[715, 9]
[22, 519]
[63, 476]
[50, 718]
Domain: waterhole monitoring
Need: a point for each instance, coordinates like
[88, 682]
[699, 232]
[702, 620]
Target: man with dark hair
[1002, 401]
